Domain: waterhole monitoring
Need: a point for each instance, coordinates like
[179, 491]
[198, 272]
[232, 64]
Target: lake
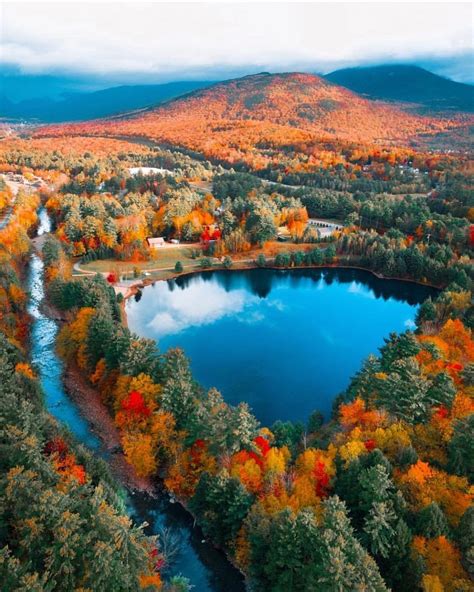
[287, 342]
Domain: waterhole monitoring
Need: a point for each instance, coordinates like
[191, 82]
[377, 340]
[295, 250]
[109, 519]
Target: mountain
[101, 103]
[410, 84]
[262, 111]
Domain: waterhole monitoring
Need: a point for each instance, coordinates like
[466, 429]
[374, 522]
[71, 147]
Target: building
[149, 171]
[332, 226]
[156, 242]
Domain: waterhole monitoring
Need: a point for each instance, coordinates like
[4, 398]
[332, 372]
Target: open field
[166, 259]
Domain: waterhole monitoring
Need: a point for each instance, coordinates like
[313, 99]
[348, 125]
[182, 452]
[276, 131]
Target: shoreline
[143, 283]
[101, 423]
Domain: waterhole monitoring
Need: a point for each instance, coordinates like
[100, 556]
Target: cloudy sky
[161, 41]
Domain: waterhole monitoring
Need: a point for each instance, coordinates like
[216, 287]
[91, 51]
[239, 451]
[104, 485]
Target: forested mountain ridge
[397, 83]
[406, 83]
[266, 110]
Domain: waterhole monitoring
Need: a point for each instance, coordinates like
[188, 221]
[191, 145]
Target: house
[156, 242]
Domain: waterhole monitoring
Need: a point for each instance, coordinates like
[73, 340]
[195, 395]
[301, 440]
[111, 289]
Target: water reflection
[261, 282]
[287, 342]
[176, 310]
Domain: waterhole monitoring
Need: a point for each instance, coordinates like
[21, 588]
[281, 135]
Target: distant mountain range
[409, 84]
[396, 83]
[101, 103]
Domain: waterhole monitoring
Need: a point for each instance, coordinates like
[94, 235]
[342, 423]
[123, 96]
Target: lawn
[164, 261]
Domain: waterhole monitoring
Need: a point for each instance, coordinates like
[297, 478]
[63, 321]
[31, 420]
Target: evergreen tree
[378, 529]
[346, 566]
[442, 390]
[461, 447]
[404, 391]
[465, 539]
[431, 522]
[398, 347]
[180, 392]
[220, 504]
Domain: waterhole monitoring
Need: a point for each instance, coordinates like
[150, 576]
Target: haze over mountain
[101, 103]
[406, 83]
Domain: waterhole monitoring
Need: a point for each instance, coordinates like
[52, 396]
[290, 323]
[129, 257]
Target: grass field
[163, 263]
[164, 258]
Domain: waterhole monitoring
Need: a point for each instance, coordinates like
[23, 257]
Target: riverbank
[154, 506]
[97, 416]
[101, 423]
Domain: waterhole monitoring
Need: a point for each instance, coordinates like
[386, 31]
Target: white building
[149, 171]
[156, 242]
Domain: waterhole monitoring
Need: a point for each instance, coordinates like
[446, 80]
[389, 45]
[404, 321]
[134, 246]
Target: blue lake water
[287, 342]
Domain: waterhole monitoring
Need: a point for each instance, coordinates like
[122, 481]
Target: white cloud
[202, 303]
[167, 39]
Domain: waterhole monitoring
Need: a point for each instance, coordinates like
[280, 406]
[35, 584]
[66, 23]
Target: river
[207, 568]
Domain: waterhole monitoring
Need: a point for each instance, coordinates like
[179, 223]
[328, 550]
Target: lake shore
[135, 287]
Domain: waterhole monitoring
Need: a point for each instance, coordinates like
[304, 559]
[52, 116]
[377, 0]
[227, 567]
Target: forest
[377, 498]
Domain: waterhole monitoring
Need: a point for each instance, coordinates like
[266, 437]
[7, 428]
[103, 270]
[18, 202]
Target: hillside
[406, 83]
[101, 103]
[263, 111]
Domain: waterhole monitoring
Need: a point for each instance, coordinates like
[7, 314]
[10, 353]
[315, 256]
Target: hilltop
[268, 110]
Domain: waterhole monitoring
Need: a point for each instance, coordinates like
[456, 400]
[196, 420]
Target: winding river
[207, 568]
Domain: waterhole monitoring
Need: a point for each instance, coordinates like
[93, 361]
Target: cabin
[156, 242]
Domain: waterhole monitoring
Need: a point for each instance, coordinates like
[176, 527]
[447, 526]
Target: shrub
[283, 260]
[178, 267]
[205, 262]
[298, 258]
[261, 261]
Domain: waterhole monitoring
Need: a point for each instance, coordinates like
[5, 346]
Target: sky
[153, 42]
